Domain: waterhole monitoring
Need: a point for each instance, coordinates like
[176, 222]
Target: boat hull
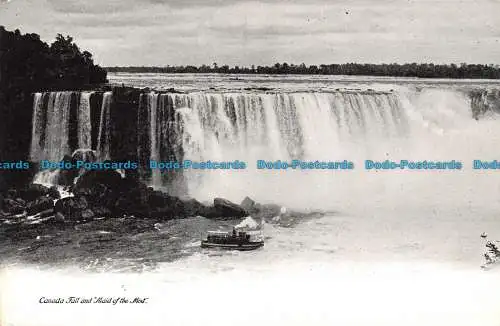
[231, 246]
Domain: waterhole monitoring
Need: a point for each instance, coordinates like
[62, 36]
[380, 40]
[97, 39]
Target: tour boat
[236, 240]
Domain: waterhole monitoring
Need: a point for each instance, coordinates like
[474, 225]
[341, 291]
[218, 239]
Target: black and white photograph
[249, 162]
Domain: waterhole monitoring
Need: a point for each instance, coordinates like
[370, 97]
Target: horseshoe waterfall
[158, 126]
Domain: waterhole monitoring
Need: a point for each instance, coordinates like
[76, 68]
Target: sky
[263, 32]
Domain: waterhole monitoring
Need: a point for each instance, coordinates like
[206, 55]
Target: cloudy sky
[242, 32]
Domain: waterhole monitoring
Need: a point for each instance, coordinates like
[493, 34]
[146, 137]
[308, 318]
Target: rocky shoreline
[101, 194]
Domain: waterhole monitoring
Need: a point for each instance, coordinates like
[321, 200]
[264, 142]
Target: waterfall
[61, 124]
[38, 126]
[55, 135]
[250, 126]
[204, 126]
[159, 138]
[50, 131]
[155, 129]
[104, 138]
[293, 125]
[84, 121]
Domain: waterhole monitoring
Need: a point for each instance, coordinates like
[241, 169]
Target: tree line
[421, 70]
[30, 64]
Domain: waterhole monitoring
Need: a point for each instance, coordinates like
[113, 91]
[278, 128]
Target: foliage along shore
[419, 70]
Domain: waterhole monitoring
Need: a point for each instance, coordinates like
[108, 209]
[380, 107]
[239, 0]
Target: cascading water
[51, 127]
[38, 128]
[280, 126]
[155, 127]
[50, 136]
[104, 138]
[250, 126]
[84, 121]
[52, 122]
[61, 124]
[159, 140]
[310, 126]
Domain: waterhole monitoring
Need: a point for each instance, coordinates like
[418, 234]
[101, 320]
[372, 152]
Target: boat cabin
[237, 240]
[227, 237]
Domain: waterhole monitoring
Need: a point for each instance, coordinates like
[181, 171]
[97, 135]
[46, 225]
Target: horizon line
[497, 65]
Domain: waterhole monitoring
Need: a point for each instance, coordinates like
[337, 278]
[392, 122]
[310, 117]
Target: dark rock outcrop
[164, 206]
[484, 101]
[70, 208]
[35, 191]
[65, 177]
[223, 208]
[12, 206]
[258, 210]
[101, 194]
[86, 155]
[33, 200]
[97, 183]
[39, 205]
[249, 205]
[107, 193]
[193, 207]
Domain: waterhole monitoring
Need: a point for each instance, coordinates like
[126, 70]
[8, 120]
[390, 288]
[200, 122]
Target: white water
[433, 125]
[38, 113]
[155, 134]
[402, 249]
[282, 126]
[296, 83]
[84, 121]
[51, 126]
[56, 141]
[104, 138]
[368, 270]
[250, 126]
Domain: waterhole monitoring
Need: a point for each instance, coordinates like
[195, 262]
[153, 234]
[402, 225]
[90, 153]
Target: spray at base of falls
[249, 126]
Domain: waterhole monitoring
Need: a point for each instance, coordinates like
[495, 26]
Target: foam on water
[377, 269]
[403, 247]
